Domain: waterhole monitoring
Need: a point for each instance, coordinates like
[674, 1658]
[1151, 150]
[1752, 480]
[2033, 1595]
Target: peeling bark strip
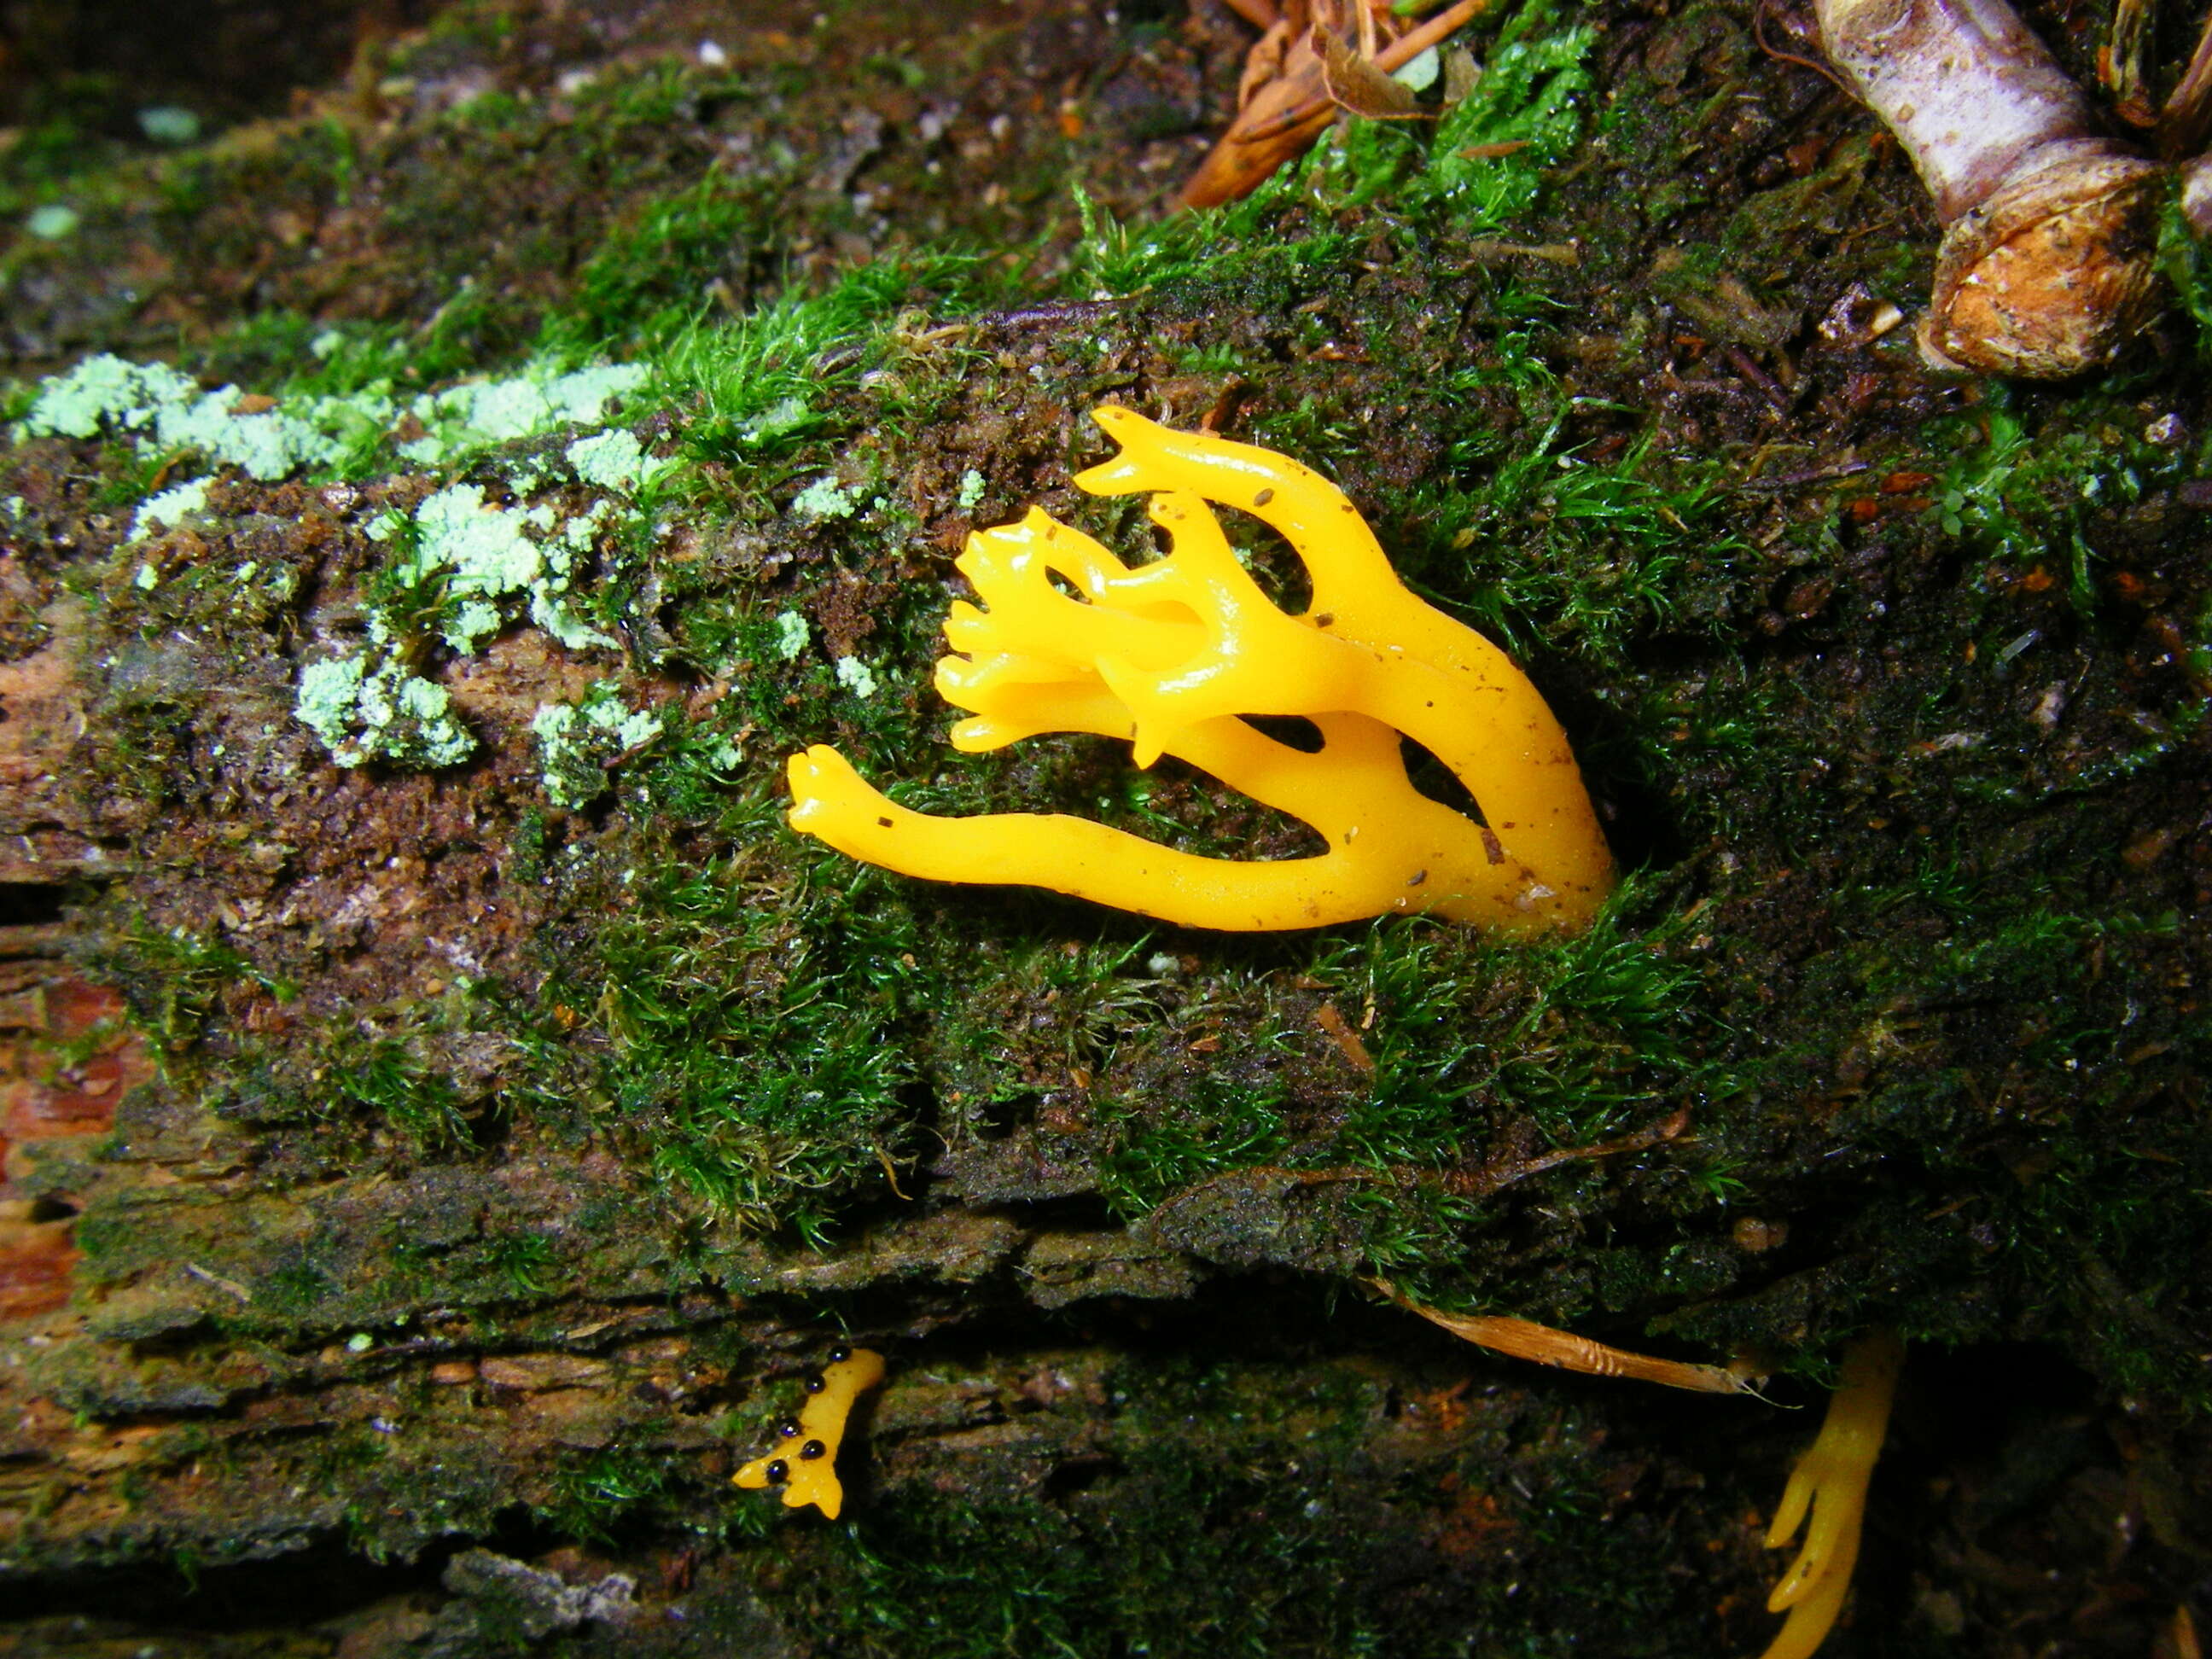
[2049, 225]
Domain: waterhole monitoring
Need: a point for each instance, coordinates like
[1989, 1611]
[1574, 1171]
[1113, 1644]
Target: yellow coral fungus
[805, 1460]
[1830, 1480]
[1171, 654]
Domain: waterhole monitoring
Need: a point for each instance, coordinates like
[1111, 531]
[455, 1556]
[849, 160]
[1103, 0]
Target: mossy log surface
[442, 1132]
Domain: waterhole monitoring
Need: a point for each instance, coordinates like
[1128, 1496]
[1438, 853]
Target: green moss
[1278, 1531]
[679, 257]
[749, 390]
[578, 743]
[2030, 491]
[2181, 256]
[1533, 81]
[1574, 555]
[522, 1266]
[592, 1494]
[1220, 1125]
[1470, 1041]
[744, 1024]
[1573, 1034]
[174, 979]
[382, 713]
[389, 1079]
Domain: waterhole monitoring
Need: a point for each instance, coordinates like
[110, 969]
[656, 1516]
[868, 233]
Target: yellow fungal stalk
[805, 1460]
[1830, 1481]
[1170, 655]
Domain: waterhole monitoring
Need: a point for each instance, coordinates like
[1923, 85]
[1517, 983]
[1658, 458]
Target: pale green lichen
[576, 741]
[971, 490]
[169, 123]
[107, 391]
[615, 460]
[477, 414]
[328, 693]
[169, 509]
[790, 635]
[386, 712]
[785, 415]
[51, 222]
[856, 677]
[1419, 72]
[268, 446]
[468, 568]
[484, 554]
[825, 498]
[154, 405]
[152, 402]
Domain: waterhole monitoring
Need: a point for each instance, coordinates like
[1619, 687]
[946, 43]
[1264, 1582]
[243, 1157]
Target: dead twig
[1524, 1338]
[1304, 68]
[1479, 1182]
[2120, 64]
[1491, 1177]
[2185, 121]
[1260, 14]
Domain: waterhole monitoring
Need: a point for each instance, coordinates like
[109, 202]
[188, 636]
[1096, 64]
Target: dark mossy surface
[516, 1132]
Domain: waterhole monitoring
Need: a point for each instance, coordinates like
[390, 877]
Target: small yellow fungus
[1171, 654]
[805, 1460]
[1830, 1481]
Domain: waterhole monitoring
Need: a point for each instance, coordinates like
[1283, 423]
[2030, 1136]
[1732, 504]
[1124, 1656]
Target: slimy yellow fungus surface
[1171, 654]
[1830, 1481]
[804, 1462]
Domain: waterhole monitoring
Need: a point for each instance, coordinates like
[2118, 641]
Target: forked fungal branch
[1171, 654]
[1830, 1482]
[804, 1461]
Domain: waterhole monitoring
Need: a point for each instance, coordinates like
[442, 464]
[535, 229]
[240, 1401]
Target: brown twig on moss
[2184, 121]
[1478, 1181]
[2120, 64]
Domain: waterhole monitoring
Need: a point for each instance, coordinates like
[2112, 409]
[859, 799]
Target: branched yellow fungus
[1830, 1481]
[805, 1460]
[1171, 654]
